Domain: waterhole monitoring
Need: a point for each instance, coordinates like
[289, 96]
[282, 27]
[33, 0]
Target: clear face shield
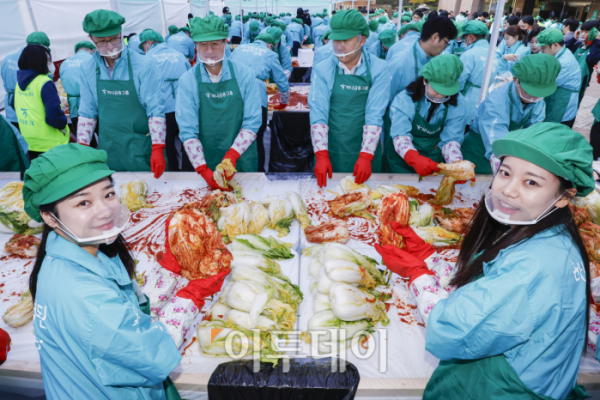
[211, 53]
[437, 98]
[110, 48]
[525, 96]
[85, 227]
[339, 46]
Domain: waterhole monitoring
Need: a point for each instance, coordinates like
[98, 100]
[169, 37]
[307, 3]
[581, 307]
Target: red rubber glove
[4, 345]
[279, 107]
[158, 164]
[362, 168]
[423, 166]
[414, 244]
[403, 263]
[207, 174]
[323, 167]
[233, 156]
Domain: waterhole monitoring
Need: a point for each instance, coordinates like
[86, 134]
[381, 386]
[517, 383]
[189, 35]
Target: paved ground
[585, 120]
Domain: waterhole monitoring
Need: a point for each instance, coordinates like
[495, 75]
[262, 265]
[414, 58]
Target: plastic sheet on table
[291, 146]
[306, 378]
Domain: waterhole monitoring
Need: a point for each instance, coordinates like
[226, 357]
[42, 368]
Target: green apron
[426, 136]
[473, 149]
[222, 106]
[13, 158]
[580, 56]
[73, 101]
[596, 111]
[347, 109]
[123, 124]
[171, 80]
[557, 103]
[170, 389]
[459, 50]
[468, 86]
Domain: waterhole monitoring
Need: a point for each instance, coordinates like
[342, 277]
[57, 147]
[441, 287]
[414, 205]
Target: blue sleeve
[538, 115]
[374, 48]
[286, 59]
[402, 114]
[320, 94]
[402, 74]
[456, 120]
[484, 318]
[88, 102]
[127, 348]
[187, 106]
[379, 94]
[251, 95]
[246, 38]
[468, 66]
[279, 76]
[493, 118]
[150, 87]
[191, 49]
[55, 116]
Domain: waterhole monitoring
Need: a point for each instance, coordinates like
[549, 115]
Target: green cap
[373, 25]
[228, 17]
[262, 15]
[549, 36]
[442, 73]
[185, 28]
[405, 18]
[537, 74]
[208, 28]
[59, 172]
[347, 24]
[459, 28]
[103, 23]
[281, 25]
[254, 26]
[237, 17]
[297, 20]
[268, 20]
[387, 38]
[282, 14]
[324, 10]
[325, 35]
[265, 37]
[474, 27]
[382, 20]
[245, 18]
[84, 44]
[151, 35]
[211, 13]
[592, 35]
[288, 14]
[173, 29]
[410, 27]
[554, 147]
[38, 38]
[276, 33]
[395, 14]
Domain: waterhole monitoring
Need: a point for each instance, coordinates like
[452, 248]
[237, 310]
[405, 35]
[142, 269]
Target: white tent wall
[199, 8]
[278, 6]
[140, 15]
[176, 12]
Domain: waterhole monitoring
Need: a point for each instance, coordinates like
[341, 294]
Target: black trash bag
[307, 379]
[301, 75]
[291, 146]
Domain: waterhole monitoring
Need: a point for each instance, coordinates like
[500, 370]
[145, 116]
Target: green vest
[31, 113]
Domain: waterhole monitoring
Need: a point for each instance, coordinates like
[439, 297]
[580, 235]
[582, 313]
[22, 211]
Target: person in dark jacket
[304, 17]
[569, 27]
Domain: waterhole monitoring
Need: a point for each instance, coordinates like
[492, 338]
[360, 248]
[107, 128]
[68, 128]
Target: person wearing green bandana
[122, 90]
[318, 29]
[251, 33]
[172, 31]
[326, 17]
[510, 106]
[282, 51]
[347, 101]
[218, 105]
[373, 36]
[457, 46]
[385, 40]
[235, 31]
[473, 59]
[70, 76]
[182, 42]
[408, 35]
[405, 20]
[8, 72]
[490, 319]
[563, 104]
[97, 339]
[296, 31]
[428, 120]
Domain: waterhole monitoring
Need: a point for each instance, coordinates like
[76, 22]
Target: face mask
[435, 99]
[114, 53]
[347, 54]
[209, 61]
[51, 69]
[88, 235]
[510, 214]
[526, 97]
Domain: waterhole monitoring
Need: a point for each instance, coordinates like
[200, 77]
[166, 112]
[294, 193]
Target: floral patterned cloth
[319, 134]
[193, 148]
[371, 135]
[178, 316]
[402, 144]
[495, 163]
[85, 130]
[160, 288]
[243, 140]
[158, 129]
[451, 152]
[593, 330]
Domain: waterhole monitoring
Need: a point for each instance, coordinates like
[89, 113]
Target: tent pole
[257, 6]
[368, 10]
[242, 19]
[489, 63]
[31, 15]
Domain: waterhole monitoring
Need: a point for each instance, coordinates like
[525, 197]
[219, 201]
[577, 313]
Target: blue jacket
[287, 20]
[473, 67]
[93, 340]
[373, 37]
[187, 105]
[285, 58]
[317, 32]
[403, 110]
[403, 73]
[503, 104]
[55, 116]
[171, 64]
[70, 77]
[321, 54]
[408, 40]
[235, 29]
[569, 78]
[264, 63]
[377, 49]
[183, 44]
[146, 78]
[501, 65]
[296, 32]
[321, 88]
[510, 311]
[8, 71]
[134, 44]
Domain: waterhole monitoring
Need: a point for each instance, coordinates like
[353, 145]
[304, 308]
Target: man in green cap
[318, 29]
[386, 39]
[457, 45]
[408, 34]
[373, 36]
[235, 31]
[122, 90]
[348, 98]
[172, 31]
[282, 51]
[171, 64]
[265, 64]
[473, 59]
[509, 107]
[70, 71]
[428, 120]
[326, 18]
[182, 42]
[563, 104]
[218, 105]
[251, 33]
[296, 31]
[8, 71]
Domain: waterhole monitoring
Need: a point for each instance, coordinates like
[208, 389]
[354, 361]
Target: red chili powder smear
[186, 347]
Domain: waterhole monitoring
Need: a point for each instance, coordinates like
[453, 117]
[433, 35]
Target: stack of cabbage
[244, 217]
[133, 195]
[12, 214]
[342, 283]
[257, 301]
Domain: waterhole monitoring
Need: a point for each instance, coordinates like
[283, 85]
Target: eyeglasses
[103, 43]
[447, 43]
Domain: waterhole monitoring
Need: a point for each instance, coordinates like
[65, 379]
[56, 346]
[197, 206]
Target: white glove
[85, 130]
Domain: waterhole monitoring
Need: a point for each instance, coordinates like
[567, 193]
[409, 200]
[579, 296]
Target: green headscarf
[38, 38]
[387, 38]
[103, 23]
[173, 29]
[476, 28]
[208, 28]
[151, 35]
[276, 33]
[442, 73]
[84, 44]
[549, 36]
[373, 25]
[537, 74]
[347, 24]
[265, 37]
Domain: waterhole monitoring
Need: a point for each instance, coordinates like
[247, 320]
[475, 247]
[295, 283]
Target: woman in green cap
[509, 321]
[428, 120]
[96, 340]
[512, 105]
